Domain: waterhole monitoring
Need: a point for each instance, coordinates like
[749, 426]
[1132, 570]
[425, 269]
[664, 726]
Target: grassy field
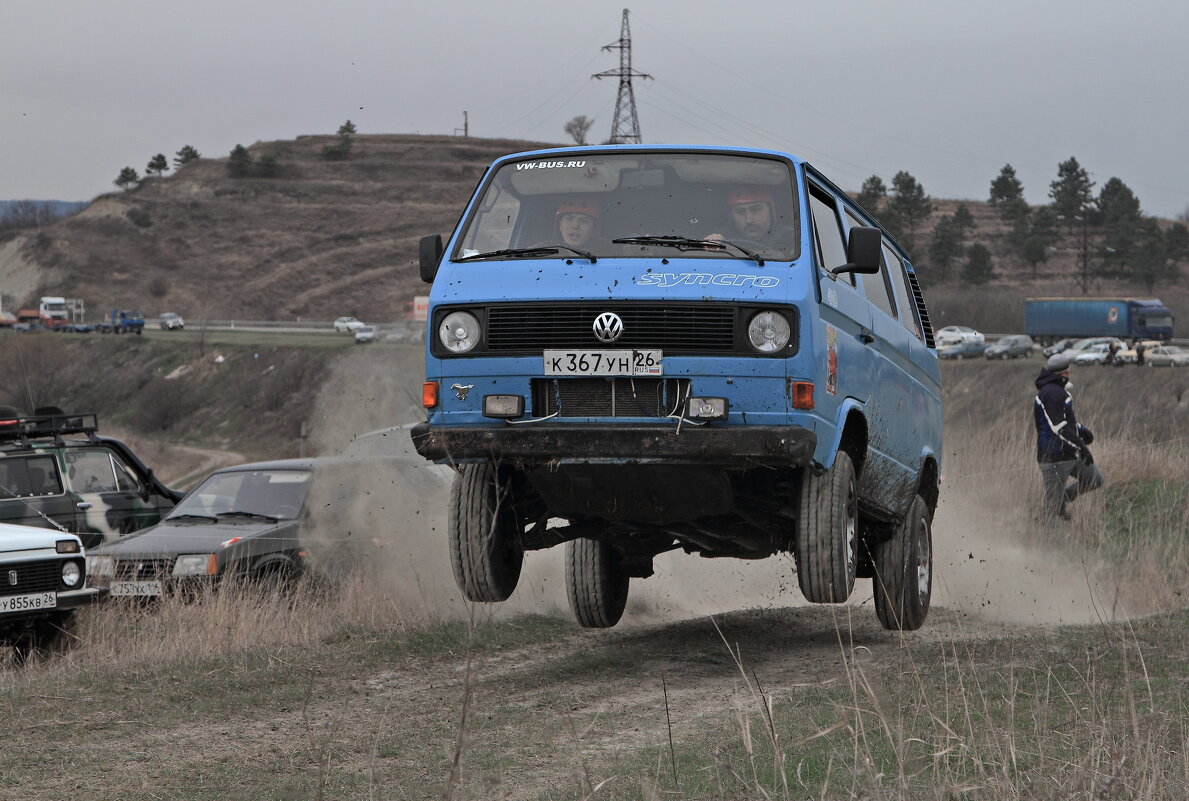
[375, 692]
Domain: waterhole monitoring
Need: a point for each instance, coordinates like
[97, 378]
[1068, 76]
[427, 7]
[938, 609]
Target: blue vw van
[637, 348]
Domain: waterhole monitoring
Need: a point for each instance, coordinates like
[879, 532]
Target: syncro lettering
[666, 280]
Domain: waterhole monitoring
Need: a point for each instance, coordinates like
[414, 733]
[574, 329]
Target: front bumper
[527, 446]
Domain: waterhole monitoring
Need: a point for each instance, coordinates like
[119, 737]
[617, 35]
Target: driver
[577, 222]
[753, 217]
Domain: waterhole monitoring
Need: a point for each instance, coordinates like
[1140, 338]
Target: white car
[365, 333]
[45, 580]
[957, 335]
[1095, 354]
[1087, 345]
[347, 325]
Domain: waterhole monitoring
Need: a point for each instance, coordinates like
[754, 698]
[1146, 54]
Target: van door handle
[866, 337]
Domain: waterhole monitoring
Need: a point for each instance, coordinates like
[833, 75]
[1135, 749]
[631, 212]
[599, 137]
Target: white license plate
[22, 603]
[603, 362]
[135, 588]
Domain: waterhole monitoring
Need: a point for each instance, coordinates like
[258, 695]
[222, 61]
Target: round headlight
[71, 573]
[459, 332]
[768, 331]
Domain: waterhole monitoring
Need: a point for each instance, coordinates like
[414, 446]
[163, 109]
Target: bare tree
[578, 128]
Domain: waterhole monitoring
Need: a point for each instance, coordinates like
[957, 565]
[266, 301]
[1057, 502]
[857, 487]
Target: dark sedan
[241, 521]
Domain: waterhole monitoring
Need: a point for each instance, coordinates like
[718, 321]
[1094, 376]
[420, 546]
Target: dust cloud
[387, 506]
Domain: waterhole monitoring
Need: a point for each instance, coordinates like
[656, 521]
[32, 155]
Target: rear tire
[827, 533]
[903, 582]
[485, 548]
[596, 583]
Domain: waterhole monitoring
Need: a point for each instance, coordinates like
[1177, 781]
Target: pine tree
[184, 156]
[945, 248]
[978, 269]
[1119, 215]
[872, 194]
[239, 163]
[908, 207]
[157, 164]
[346, 129]
[1036, 235]
[127, 179]
[1071, 191]
[1007, 196]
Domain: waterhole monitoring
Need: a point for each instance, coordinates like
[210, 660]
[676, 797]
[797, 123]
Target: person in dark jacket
[1061, 443]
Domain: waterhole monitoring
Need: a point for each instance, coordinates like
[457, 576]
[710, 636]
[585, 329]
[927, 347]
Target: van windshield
[622, 205]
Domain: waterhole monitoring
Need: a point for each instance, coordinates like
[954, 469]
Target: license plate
[603, 362]
[135, 588]
[22, 603]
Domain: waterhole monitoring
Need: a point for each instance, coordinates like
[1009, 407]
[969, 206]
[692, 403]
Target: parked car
[1167, 356]
[1129, 356]
[347, 325]
[365, 333]
[257, 522]
[169, 321]
[44, 580]
[1085, 345]
[56, 471]
[1010, 347]
[1095, 354]
[1059, 346]
[962, 350]
[955, 334]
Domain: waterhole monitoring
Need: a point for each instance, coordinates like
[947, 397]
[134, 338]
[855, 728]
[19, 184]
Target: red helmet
[749, 194]
[580, 206]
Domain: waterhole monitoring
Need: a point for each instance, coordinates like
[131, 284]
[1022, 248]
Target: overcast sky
[949, 91]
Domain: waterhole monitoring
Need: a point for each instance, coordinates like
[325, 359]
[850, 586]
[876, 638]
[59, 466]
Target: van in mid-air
[635, 349]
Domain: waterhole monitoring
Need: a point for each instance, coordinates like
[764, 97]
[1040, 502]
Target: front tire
[485, 548]
[596, 583]
[904, 571]
[827, 532]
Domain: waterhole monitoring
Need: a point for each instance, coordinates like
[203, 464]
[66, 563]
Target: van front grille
[689, 329]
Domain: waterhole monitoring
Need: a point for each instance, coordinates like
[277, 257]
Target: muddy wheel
[595, 583]
[485, 548]
[827, 533]
[904, 571]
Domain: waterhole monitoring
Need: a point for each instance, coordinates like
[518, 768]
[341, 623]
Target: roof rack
[16, 427]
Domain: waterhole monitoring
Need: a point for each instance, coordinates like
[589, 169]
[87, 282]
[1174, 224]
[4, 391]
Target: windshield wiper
[255, 515]
[686, 243]
[516, 253]
[208, 518]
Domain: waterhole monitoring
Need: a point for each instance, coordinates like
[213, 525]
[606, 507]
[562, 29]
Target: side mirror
[862, 251]
[431, 254]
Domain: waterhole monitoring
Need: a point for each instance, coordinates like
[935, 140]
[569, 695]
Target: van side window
[875, 285]
[30, 477]
[831, 247]
[902, 290]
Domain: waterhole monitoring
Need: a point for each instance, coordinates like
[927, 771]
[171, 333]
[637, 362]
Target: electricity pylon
[625, 128]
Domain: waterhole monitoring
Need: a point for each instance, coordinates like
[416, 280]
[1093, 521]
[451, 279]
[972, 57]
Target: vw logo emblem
[608, 327]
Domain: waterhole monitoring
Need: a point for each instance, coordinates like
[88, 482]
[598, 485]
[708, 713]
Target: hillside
[328, 238]
[321, 239]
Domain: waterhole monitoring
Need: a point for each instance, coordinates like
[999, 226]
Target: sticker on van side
[550, 165]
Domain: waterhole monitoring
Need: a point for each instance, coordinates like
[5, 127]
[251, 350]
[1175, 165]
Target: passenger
[1061, 443]
[753, 215]
[577, 222]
